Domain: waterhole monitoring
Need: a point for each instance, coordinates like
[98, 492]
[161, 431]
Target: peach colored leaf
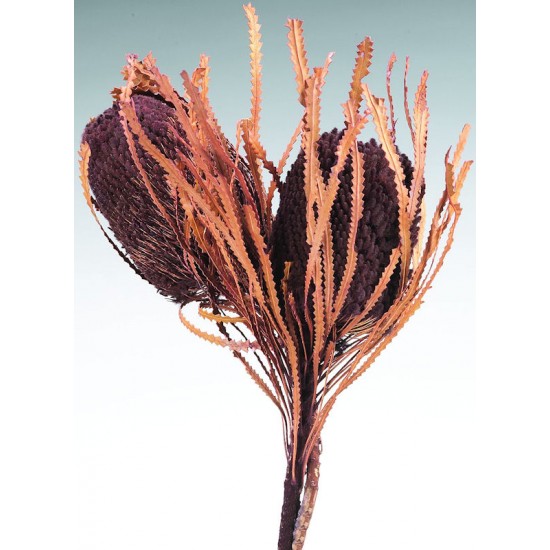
[224, 162]
[198, 76]
[460, 178]
[127, 113]
[420, 96]
[293, 139]
[420, 239]
[420, 141]
[360, 71]
[217, 340]
[253, 159]
[204, 65]
[406, 99]
[255, 67]
[420, 145]
[380, 119]
[356, 209]
[220, 318]
[261, 154]
[298, 55]
[356, 324]
[321, 72]
[463, 138]
[344, 146]
[313, 179]
[449, 175]
[389, 70]
[319, 324]
[282, 163]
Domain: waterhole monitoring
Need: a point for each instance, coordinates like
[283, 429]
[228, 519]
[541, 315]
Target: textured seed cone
[378, 229]
[120, 195]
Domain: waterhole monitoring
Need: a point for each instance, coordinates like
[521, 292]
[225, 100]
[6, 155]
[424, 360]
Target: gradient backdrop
[176, 448]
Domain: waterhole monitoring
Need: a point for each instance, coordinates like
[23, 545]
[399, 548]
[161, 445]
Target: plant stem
[295, 518]
[291, 507]
[310, 495]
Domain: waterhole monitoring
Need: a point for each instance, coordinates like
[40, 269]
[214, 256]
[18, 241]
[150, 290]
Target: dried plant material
[298, 55]
[308, 297]
[361, 70]
[389, 71]
[255, 67]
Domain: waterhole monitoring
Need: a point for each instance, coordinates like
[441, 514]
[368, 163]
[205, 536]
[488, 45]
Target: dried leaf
[346, 143]
[286, 154]
[356, 209]
[313, 179]
[217, 340]
[377, 293]
[420, 241]
[376, 106]
[463, 138]
[298, 55]
[389, 70]
[255, 67]
[420, 144]
[461, 178]
[406, 99]
[360, 71]
[220, 318]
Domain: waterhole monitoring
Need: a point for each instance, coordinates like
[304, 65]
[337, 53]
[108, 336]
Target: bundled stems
[291, 506]
[300, 487]
[297, 509]
[310, 496]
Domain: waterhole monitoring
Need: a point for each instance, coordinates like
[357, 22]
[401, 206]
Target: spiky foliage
[308, 300]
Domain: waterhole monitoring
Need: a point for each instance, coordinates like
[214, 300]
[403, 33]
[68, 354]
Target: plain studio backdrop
[176, 447]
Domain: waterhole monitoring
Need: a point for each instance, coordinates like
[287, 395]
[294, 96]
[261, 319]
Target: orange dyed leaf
[255, 67]
[298, 55]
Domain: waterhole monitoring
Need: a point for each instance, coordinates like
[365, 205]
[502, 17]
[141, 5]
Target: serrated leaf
[360, 71]
[298, 55]
[217, 340]
[389, 70]
[380, 119]
[462, 139]
[344, 146]
[255, 67]
[406, 99]
[356, 210]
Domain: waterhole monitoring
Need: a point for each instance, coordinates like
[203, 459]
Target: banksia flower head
[306, 298]
[377, 232]
[131, 190]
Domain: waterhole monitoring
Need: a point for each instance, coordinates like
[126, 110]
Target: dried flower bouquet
[308, 297]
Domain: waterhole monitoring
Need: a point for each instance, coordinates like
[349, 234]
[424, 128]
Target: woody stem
[308, 501]
[291, 507]
[296, 512]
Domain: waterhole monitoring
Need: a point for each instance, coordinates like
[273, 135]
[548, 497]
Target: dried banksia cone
[308, 298]
[130, 188]
[377, 231]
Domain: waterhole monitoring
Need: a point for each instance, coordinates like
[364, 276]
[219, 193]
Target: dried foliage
[306, 299]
